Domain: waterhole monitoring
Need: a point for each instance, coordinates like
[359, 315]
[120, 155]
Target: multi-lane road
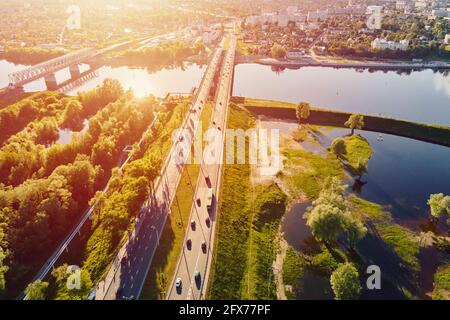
[128, 272]
[191, 275]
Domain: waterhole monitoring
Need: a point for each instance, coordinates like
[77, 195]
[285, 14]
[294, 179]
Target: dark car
[204, 246]
[189, 244]
[208, 222]
[198, 279]
[193, 224]
[208, 181]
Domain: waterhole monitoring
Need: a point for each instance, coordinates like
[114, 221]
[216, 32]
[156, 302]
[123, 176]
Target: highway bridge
[128, 272]
[194, 264]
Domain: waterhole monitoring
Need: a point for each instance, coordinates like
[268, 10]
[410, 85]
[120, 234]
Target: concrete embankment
[308, 62]
[419, 131]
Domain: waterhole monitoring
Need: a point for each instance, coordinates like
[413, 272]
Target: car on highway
[193, 224]
[189, 244]
[208, 222]
[198, 279]
[204, 246]
[178, 285]
[208, 181]
[210, 198]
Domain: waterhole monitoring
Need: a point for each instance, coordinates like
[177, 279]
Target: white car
[178, 283]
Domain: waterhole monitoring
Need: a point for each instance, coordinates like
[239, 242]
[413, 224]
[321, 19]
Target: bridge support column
[74, 71]
[50, 81]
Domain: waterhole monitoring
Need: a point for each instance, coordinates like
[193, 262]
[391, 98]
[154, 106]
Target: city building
[382, 44]
[400, 5]
[319, 15]
[295, 54]
[441, 13]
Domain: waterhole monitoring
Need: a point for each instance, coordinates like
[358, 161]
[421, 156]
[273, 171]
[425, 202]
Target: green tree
[338, 147]
[277, 51]
[36, 290]
[355, 230]
[355, 121]
[3, 268]
[345, 282]
[72, 116]
[327, 222]
[303, 111]
[439, 205]
[66, 292]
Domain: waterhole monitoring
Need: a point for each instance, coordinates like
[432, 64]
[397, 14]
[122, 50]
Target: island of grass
[354, 151]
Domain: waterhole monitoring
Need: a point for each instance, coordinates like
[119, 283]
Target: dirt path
[278, 267]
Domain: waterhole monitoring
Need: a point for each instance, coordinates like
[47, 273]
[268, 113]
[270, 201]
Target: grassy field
[248, 222]
[420, 131]
[166, 257]
[268, 205]
[305, 171]
[233, 226]
[358, 149]
[293, 270]
[401, 239]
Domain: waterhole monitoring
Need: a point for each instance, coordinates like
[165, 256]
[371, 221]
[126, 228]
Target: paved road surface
[128, 272]
[195, 258]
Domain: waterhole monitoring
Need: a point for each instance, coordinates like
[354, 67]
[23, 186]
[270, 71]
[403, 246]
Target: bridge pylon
[74, 71]
[50, 81]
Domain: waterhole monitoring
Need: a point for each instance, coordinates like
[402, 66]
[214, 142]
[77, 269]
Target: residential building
[441, 13]
[381, 44]
[319, 15]
[295, 54]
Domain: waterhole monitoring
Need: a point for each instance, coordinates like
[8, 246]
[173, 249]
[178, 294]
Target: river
[177, 80]
[422, 96]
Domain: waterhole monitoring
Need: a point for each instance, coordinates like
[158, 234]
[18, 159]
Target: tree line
[48, 188]
[161, 56]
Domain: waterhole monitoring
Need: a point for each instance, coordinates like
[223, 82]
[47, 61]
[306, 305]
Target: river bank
[342, 63]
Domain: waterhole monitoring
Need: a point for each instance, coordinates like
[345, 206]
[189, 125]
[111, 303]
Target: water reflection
[65, 135]
[442, 83]
[180, 79]
[420, 96]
